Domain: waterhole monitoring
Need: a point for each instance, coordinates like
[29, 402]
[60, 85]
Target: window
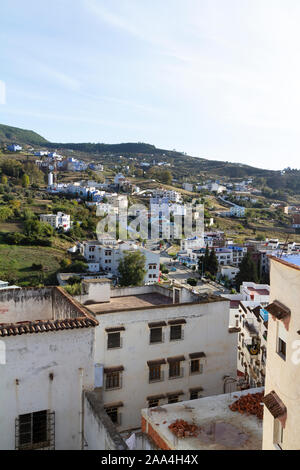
[175, 370]
[281, 348]
[173, 399]
[155, 373]
[113, 380]
[114, 415]
[194, 395]
[113, 340]
[277, 434]
[156, 335]
[196, 367]
[35, 431]
[153, 402]
[175, 332]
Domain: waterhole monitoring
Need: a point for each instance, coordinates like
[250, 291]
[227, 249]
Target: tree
[166, 177]
[25, 181]
[5, 213]
[203, 262]
[248, 271]
[213, 264]
[132, 269]
[4, 179]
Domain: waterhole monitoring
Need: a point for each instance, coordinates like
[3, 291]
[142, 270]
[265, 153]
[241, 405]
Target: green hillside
[11, 135]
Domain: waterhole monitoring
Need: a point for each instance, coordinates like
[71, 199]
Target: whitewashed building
[57, 221]
[47, 342]
[106, 254]
[159, 345]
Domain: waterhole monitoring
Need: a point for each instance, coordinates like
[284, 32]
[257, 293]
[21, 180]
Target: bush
[192, 282]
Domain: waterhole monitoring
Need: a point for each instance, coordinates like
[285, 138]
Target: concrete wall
[25, 305]
[99, 431]
[26, 386]
[284, 376]
[206, 330]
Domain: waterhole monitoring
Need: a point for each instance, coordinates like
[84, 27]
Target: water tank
[98, 375]
[50, 179]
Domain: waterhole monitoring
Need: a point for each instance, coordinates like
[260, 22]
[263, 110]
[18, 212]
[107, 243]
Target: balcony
[253, 350]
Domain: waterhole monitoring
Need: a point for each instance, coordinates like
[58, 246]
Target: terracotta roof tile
[45, 326]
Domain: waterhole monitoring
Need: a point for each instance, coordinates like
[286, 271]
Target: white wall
[25, 385]
[206, 330]
[25, 304]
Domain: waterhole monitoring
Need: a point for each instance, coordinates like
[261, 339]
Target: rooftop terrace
[131, 301]
[219, 427]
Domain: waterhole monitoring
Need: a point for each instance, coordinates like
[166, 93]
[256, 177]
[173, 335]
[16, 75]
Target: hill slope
[185, 165]
[11, 135]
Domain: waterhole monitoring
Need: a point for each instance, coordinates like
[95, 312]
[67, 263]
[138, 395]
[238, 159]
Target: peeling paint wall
[18, 305]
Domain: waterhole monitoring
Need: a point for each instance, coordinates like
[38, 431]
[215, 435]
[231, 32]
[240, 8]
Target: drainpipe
[81, 413]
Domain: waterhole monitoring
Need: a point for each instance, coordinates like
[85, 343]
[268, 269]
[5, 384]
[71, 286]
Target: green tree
[248, 271]
[213, 264]
[132, 269]
[5, 213]
[25, 181]
[203, 262]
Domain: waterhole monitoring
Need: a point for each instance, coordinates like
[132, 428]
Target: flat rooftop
[259, 291]
[219, 427]
[131, 301]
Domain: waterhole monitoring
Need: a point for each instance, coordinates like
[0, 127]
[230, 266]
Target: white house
[170, 195]
[105, 255]
[188, 187]
[193, 243]
[229, 272]
[57, 221]
[237, 211]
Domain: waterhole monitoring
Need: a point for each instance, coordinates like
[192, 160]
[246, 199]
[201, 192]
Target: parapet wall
[18, 305]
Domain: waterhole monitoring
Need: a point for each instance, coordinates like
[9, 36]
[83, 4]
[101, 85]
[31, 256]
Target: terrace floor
[131, 301]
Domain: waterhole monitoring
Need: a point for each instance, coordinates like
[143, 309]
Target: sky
[215, 79]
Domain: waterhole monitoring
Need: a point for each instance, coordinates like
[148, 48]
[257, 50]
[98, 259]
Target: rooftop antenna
[286, 241]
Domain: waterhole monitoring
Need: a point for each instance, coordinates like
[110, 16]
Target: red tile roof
[42, 326]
